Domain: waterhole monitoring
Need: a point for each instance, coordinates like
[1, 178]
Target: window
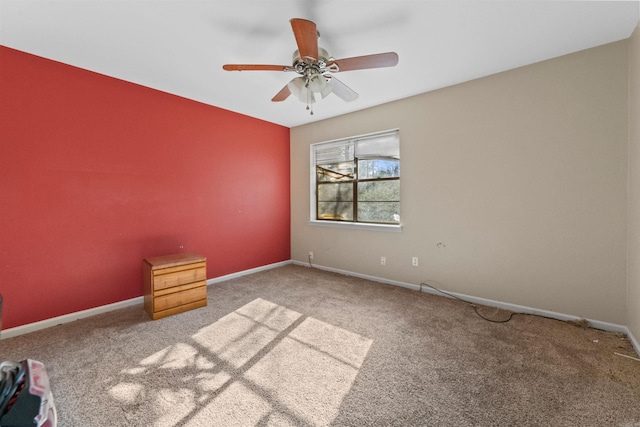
[357, 179]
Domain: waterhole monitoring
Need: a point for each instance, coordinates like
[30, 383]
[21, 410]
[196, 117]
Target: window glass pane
[342, 211]
[379, 201]
[342, 192]
[335, 172]
[379, 191]
[378, 168]
[387, 212]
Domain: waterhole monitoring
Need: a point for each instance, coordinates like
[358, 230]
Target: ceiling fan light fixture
[318, 83]
[300, 90]
[326, 91]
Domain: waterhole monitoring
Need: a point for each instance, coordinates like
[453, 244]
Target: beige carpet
[296, 346]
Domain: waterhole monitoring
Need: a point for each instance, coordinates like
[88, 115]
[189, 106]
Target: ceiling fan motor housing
[302, 64]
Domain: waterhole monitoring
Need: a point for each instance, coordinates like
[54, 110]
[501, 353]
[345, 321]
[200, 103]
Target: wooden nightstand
[174, 283]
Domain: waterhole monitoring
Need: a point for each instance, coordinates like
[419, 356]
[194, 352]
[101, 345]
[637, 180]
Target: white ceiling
[179, 46]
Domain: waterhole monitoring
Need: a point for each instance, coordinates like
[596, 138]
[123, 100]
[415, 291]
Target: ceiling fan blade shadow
[377, 60]
[342, 90]
[282, 95]
[309, 9]
[306, 35]
[384, 20]
[255, 67]
[312, 10]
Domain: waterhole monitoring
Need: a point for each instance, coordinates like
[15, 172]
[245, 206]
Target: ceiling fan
[316, 67]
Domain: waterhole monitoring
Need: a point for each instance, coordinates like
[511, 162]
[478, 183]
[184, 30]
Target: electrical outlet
[383, 260]
[414, 261]
[310, 255]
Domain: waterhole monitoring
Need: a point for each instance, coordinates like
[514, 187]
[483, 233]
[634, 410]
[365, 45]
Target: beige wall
[521, 175]
[633, 298]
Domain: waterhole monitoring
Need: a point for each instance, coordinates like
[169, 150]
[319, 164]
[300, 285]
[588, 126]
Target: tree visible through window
[358, 179]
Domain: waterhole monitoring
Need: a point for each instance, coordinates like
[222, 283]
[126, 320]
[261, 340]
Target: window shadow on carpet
[261, 365]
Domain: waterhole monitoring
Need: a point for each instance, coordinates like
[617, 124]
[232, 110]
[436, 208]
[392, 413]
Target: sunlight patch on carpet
[311, 370]
[126, 393]
[261, 365]
[239, 336]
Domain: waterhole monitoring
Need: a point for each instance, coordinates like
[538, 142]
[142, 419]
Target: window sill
[394, 228]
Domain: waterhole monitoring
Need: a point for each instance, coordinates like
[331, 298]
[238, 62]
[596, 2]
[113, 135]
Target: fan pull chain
[309, 94]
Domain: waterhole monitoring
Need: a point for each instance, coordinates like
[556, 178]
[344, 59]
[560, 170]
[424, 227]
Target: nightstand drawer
[186, 286]
[179, 298]
[168, 280]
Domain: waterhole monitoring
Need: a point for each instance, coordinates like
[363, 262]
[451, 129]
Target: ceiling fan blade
[377, 60]
[255, 67]
[282, 95]
[306, 35]
[342, 90]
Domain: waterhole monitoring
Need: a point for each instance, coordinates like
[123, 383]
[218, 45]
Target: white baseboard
[247, 272]
[54, 321]
[634, 341]
[605, 326]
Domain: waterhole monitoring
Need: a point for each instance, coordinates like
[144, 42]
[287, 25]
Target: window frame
[313, 208]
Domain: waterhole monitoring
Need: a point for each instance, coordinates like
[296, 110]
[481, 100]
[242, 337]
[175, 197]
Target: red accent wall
[96, 174]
